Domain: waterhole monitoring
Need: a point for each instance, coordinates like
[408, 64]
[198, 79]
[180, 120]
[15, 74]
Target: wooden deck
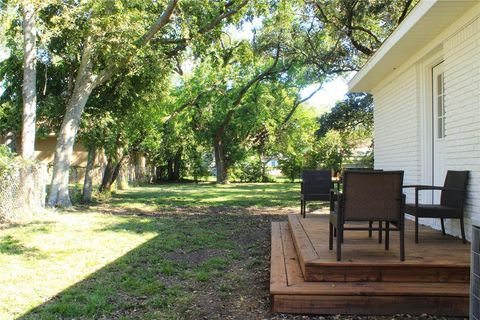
[306, 278]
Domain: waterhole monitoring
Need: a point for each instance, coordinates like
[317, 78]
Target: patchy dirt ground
[241, 291]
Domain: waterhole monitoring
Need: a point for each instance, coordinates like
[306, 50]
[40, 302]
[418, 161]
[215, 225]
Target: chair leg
[335, 232]
[301, 208]
[416, 229]
[387, 235]
[330, 236]
[339, 242]
[443, 226]
[370, 224]
[462, 227]
[380, 231]
[401, 226]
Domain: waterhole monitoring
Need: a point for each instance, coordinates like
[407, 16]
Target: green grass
[258, 195]
[107, 262]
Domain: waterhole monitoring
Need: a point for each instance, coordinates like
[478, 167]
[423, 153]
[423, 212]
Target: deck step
[290, 293]
[436, 258]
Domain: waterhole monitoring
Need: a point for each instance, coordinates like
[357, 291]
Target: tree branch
[405, 11]
[296, 104]
[242, 93]
[159, 24]
[224, 15]
[370, 33]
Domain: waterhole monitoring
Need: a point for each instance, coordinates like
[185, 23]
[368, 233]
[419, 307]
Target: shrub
[7, 160]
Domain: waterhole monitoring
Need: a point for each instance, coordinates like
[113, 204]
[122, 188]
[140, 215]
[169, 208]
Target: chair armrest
[425, 187]
[422, 188]
[414, 186]
[439, 188]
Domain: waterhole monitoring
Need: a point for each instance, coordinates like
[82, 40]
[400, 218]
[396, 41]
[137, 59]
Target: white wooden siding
[396, 134]
[462, 108]
[398, 120]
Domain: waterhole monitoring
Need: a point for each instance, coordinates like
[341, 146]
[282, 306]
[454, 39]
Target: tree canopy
[175, 80]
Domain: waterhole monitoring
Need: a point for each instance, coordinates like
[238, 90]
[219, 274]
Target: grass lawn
[178, 251]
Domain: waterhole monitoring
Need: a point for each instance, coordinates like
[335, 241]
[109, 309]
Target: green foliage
[199, 163]
[291, 167]
[355, 112]
[249, 170]
[296, 144]
[357, 28]
[347, 127]
[195, 85]
[7, 160]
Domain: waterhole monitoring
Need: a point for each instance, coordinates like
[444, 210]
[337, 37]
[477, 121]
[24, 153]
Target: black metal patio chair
[452, 201]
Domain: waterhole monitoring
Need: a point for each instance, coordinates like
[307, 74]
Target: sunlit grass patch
[175, 259]
[44, 257]
[258, 195]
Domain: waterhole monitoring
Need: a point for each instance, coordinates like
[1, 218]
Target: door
[438, 126]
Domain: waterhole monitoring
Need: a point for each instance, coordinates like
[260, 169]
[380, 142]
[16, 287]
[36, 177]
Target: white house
[425, 80]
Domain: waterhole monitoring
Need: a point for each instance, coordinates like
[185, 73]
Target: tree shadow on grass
[197, 266]
[11, 246]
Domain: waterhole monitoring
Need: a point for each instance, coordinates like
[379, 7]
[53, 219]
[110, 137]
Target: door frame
[426, 119]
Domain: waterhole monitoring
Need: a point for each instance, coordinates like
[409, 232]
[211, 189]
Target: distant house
[45, 152]
[425, 80]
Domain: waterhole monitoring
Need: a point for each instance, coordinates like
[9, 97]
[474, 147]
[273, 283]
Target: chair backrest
[454, 180]
[317, 181]
[372, 195]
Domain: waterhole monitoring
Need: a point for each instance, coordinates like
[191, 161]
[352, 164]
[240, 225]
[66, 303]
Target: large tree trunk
[85, 82]
[111, 173]
[107, 176]
[170, 170]
[220, 165]
[122, 180]
[88, 184]
[177, 162]
[59, 195]
[263, 167]
[116, 172]
[158, 174]
[29, 90]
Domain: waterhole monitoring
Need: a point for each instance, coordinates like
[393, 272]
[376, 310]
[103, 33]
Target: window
[440, 106]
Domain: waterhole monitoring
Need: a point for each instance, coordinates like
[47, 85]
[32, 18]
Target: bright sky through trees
[332, 91]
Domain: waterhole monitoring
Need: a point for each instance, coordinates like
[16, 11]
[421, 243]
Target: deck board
[292, 265]
[278, 272]
[290, 293]
[436, 258]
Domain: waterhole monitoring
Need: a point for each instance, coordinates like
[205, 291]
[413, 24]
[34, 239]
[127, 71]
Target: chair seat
[315, 197]
[432, 211]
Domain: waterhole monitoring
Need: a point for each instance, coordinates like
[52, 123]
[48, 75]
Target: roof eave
[397, 48]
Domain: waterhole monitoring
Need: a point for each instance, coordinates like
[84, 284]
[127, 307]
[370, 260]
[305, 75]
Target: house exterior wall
[401, 99]
[135, 170]
[396, 141]
[462, 109]
[45, 152]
